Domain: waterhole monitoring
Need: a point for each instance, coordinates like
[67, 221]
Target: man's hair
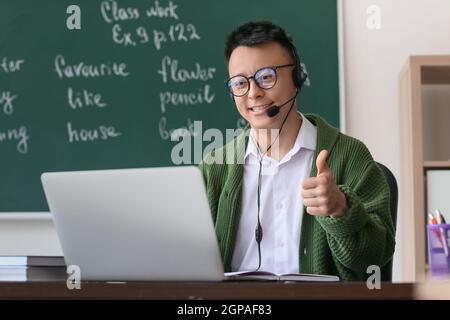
[255, 33]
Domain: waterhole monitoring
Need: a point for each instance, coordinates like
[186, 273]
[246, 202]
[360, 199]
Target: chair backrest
[386, 271]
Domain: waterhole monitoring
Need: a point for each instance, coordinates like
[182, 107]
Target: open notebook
[265, 275]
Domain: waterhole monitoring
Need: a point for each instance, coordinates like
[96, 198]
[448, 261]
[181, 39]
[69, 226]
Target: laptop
[147, 224]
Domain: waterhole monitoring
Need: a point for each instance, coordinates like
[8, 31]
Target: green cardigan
[341, 246]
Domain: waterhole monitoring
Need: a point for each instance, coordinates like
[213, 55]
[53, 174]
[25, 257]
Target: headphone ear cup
[295, 77]
[298, 76]
[303, 76]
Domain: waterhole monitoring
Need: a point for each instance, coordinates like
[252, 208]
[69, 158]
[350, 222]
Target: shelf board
[435, 74]
[436, 164]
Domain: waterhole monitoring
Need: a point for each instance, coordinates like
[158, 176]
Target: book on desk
[32, 268]
[269, 276]
[32, 261]
[20, 266]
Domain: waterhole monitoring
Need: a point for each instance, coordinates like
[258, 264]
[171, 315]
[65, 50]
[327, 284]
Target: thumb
[321, 162]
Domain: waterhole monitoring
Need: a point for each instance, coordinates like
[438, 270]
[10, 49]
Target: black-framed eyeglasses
[265, 78]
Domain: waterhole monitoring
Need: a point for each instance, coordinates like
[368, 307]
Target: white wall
[373, 60]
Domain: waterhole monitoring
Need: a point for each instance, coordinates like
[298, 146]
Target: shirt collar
[252, 148]
[306, 138]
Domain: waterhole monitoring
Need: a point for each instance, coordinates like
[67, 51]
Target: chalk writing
[178, 32]
[163, 12]
[6, 102]
[84, 99]
[10, 66]
[203, 95]
[83, 70]
[111, 12]
[169, 67]
[18, 135]
[90, 135]
[174, 134]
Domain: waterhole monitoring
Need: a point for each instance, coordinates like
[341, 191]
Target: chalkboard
[111, 93]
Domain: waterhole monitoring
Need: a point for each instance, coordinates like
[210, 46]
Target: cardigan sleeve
[365, 235]
[211, 191]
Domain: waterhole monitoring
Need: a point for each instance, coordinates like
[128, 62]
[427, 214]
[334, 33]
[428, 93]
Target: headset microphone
[274, 110]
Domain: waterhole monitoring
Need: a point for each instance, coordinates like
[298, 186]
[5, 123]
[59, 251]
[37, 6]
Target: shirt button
[281, 244]
[279, 205]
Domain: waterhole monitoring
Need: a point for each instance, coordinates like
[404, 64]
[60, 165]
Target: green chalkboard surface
[111, 94]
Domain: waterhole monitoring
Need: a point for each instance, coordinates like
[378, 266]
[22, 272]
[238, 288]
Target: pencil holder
[439, 250]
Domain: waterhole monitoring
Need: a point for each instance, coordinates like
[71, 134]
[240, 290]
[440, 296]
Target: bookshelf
[423, 147]
[436, 164]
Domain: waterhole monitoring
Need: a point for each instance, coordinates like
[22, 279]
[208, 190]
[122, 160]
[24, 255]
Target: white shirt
[281, 207]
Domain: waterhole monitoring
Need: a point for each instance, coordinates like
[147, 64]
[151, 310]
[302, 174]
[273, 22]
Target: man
[318, 203]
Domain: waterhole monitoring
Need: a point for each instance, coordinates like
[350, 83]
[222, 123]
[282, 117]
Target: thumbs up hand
[321, 195]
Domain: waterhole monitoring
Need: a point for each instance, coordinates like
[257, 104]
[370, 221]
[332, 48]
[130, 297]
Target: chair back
[386, 271]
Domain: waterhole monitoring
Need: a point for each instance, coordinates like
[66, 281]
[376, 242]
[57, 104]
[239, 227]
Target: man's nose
[254, 91]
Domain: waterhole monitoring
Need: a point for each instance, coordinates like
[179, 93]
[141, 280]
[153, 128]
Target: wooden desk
[432, 290]
[50, 283]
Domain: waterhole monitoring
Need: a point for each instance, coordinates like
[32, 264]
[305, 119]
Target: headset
[299, 76]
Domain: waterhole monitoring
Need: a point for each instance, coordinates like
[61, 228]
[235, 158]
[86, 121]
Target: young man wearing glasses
[318, 203]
